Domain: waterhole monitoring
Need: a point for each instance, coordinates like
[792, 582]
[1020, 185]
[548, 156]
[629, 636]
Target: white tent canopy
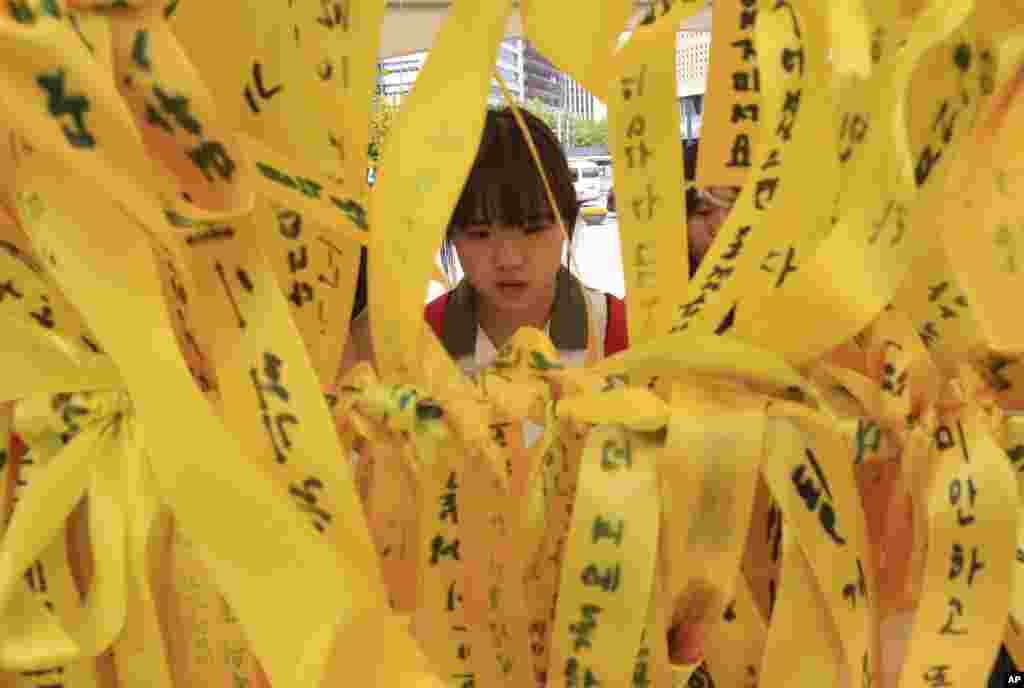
[410, 25]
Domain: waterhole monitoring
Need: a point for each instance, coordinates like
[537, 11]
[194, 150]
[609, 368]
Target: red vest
[616, 338]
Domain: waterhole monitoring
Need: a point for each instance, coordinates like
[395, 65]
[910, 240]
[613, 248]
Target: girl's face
[513, 269]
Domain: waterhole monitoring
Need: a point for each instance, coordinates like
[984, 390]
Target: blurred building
[581, 103]
[529, 75]
[541, 79]
[396, 75]
[693, 49]
[510, 66]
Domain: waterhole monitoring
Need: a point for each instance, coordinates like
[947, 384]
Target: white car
[586, 179]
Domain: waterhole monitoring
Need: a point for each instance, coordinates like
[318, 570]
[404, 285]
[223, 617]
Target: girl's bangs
[504, 186]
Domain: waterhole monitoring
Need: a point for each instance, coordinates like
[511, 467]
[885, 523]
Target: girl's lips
[512, 289]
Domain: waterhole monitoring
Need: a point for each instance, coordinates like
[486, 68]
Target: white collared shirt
[486, 352]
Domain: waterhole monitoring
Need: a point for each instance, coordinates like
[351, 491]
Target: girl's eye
[536, 229]
[478, 234]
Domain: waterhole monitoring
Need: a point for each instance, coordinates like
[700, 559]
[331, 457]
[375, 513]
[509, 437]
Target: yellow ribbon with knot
[70, 253]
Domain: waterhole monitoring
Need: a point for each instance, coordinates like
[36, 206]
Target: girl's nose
[509, 252]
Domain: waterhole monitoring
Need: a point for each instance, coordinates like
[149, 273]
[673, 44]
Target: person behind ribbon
[706, 211]
[887, 507]
[505, 235]
[706, 208]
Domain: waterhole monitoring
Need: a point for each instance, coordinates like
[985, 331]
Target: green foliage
[585, 132]
[591, 132]
[542, 110]
[381, 119]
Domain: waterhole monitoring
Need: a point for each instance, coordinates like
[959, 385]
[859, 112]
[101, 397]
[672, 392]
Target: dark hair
[504, 186]
[690, 174]
[360, 300]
